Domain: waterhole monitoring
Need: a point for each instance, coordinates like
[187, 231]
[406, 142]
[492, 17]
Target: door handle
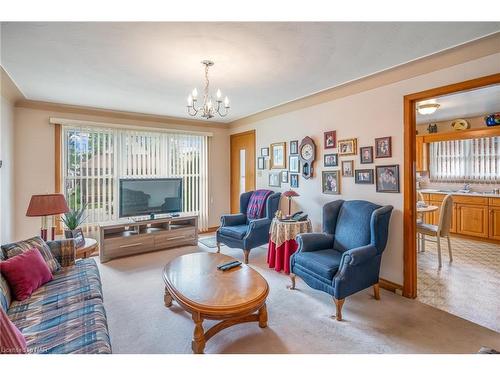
[131, 245]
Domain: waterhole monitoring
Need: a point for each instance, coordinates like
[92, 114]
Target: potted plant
[72, 221]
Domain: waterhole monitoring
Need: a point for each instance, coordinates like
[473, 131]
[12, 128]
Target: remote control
[227, 264]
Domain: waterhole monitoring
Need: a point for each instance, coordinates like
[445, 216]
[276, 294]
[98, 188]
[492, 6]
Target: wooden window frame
[409, 163]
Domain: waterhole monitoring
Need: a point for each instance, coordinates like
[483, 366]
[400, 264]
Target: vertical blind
[95, 158]
[467, 160]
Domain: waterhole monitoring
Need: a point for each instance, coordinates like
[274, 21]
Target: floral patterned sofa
[67, 314]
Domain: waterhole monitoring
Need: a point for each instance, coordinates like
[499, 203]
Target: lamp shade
[47, 204]
[291, 193]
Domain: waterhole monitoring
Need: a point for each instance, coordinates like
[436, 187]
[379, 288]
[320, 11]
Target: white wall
[34, 153]
[367, 115]
[7, 170]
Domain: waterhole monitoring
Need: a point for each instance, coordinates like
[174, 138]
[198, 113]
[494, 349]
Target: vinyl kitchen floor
[468, 287]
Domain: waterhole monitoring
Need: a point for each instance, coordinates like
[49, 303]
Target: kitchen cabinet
[474, 216]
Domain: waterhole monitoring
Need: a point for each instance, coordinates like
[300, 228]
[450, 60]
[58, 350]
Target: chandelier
[209, 108]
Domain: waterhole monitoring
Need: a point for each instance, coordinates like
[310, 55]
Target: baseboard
[390, 286]
[480, 239]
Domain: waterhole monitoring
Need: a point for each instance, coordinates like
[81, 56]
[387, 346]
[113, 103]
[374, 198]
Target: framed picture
[387, 178]
[275, 179]
[330, 139]
[278, 155]
[294, 180]
[366, 155]
[77, 235]
[264, 151]
[331, 160]
[294, 147]
[284, 177]
[294, 164]
[261, 162]
[383, 147]
[347, 146]
[363, 176]
[331, 182]
[347, 168]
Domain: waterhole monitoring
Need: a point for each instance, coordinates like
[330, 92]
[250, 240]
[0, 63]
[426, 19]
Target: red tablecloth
[279, 257]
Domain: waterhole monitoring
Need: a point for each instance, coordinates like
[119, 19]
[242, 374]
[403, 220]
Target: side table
[87, 249]
[282, 242]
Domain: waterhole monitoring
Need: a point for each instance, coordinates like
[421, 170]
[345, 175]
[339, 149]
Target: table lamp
[290, 194]
[47, 205]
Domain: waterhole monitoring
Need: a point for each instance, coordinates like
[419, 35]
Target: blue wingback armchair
[345, 258]
[239, 232]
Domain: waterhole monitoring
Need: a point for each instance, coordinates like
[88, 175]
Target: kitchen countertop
[473, 194]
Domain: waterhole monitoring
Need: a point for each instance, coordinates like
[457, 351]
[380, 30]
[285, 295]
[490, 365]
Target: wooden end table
[232, 296]
[87, 249]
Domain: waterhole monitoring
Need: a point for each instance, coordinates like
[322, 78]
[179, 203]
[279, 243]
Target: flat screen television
[150, 196]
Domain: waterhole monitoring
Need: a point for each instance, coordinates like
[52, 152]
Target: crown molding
[453, 56]
[108, 113]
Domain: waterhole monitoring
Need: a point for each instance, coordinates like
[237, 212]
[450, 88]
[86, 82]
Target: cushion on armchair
[324, 263]
[235, 231]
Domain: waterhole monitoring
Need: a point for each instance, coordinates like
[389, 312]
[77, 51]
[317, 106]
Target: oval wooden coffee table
[234, 296]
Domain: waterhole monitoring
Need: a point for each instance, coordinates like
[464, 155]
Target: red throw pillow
[12, 340]
[25, 273]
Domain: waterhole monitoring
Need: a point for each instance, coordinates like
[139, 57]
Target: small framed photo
[261, 162]
[278, 155]
[347, 146]
[331, 160]
[284, 177]
[366, 155]
[331, 182]
[275, 179]
[347, 168]
[264, 151]
[330, 139]
[383, 147]
[387, 178]
[294, 180]
[294, 147]
[363, 176]
[294, 164]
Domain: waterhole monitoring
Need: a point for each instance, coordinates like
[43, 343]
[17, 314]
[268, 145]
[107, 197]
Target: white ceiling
[151, 67]
[466, 104]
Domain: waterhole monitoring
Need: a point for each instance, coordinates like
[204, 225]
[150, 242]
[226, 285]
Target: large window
[468, 160]
[95, 158]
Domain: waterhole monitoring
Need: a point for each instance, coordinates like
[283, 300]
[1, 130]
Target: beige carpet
[299, 321]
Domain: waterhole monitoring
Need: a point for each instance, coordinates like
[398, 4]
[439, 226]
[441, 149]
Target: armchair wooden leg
[218, 247]
[376, 291]
[292, 278]
[246, 253]
[338, 304]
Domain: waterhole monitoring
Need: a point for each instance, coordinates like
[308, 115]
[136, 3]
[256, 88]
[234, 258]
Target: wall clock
[307, 152]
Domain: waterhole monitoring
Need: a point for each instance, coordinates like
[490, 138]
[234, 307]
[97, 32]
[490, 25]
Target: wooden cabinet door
[472, 220]
[494, 223]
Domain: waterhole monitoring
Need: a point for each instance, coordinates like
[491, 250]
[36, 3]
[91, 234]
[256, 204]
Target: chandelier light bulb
[195, 93]
[190, 101]
[219, 94]
[226, 102]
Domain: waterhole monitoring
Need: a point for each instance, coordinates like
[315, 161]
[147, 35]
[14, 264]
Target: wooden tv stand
[128, 237]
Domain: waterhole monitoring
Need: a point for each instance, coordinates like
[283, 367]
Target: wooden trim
[108, 113]
[58, 168]
[389, 285]
[409, 181]
[210, 230]
[453, 56]
[462, 134]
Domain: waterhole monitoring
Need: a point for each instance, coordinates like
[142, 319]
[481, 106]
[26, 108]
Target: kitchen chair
[440, 230]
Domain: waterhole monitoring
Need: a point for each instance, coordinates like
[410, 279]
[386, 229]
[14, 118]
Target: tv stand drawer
[173, 237]
[128, 245]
